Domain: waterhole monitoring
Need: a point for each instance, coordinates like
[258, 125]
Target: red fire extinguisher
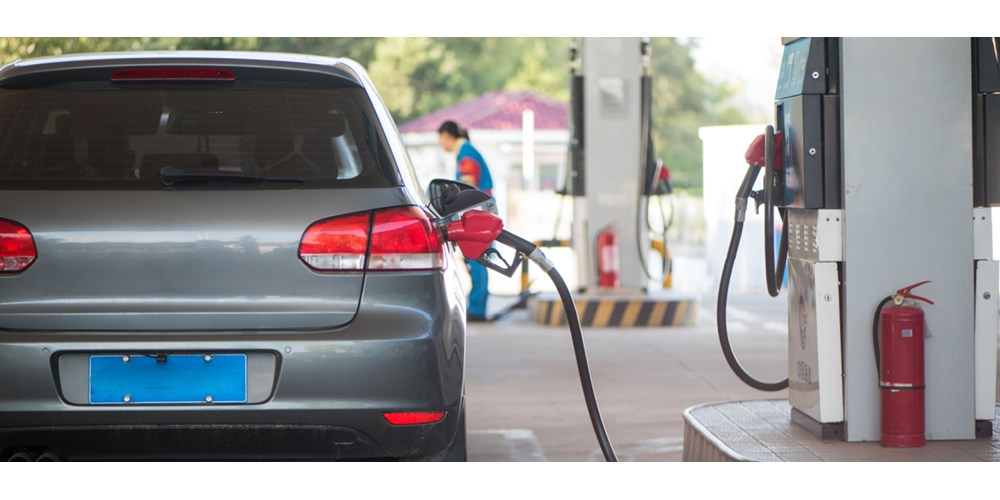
[900, 359]
[607, 257]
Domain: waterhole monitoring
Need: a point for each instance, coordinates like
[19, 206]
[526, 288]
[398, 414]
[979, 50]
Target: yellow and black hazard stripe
[611, 312]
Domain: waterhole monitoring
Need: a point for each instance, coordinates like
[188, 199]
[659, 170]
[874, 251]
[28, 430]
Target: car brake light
[414, 417]
[134, 74]
[337, 244]
[404, 238]
[17, 247]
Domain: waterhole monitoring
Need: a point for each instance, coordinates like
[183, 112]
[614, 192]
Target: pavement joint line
[522, 443]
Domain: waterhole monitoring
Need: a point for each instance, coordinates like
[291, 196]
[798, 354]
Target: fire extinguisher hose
[727, 274]
[875, 325]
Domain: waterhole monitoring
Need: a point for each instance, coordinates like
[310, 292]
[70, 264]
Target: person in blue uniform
[471, 169]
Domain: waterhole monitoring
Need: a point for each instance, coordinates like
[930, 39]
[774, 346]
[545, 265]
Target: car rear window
[237, 136]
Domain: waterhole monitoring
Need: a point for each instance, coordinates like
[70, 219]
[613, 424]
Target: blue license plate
[173, 379]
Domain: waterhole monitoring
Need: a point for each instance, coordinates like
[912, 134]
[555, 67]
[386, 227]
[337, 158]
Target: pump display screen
[793, 68]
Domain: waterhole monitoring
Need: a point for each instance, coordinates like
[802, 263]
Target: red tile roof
[496, 111]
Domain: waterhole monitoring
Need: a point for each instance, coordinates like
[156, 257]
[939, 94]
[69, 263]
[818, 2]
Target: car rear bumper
[325, 397]
[357, 435]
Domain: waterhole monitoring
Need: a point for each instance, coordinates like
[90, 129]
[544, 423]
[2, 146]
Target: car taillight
[402, 238]
[337, 244]
[17, 247]
[414, 417]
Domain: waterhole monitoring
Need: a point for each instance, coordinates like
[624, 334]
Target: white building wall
[724, 167]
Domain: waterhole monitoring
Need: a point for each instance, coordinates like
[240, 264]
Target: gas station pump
[808, 114]
[616, 182]
[801, 162]
[985, 194]
[862, 129]
[614, 172]
[880, 141]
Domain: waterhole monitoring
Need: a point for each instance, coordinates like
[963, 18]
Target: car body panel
[179, 260]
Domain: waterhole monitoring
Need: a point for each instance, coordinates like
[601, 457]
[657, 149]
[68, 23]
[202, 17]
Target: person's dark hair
[451, 128]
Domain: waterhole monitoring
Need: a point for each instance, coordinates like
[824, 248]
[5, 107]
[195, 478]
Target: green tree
[420, 75]
[212, 43]
[544, 67]
[417, 76]
[359, 49]
[13, 48]
[683, 101]
[491, 64]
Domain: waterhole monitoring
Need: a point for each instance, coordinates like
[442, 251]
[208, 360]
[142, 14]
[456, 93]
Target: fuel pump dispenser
[874, 147]
[614, 174]
[986, 194]
[801, 183]
[845, 235]
[615, 181]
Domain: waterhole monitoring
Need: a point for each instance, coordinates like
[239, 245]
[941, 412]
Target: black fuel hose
[727, 273]
[774, 275]
[646, 157]
[668, 222]
[532, 251]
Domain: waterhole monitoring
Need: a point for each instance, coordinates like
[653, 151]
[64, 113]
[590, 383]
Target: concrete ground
[523, 391]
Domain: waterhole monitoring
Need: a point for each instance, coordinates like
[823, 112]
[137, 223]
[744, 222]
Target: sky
[752, 61]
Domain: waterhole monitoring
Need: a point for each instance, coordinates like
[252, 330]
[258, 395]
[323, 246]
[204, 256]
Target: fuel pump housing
[807, 114]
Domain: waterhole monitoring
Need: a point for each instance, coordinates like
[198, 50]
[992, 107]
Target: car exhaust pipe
[49, 456]
[23, 456]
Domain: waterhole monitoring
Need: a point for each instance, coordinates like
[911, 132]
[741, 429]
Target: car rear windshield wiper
[172, 176]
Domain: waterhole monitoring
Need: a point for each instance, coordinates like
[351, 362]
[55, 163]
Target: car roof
[274, 60]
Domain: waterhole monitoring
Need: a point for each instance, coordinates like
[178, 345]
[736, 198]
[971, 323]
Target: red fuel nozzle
[664, 173]
[474, 232]
[755, 153]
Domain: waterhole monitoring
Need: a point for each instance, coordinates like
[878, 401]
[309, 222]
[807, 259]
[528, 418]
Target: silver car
[218, 255]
